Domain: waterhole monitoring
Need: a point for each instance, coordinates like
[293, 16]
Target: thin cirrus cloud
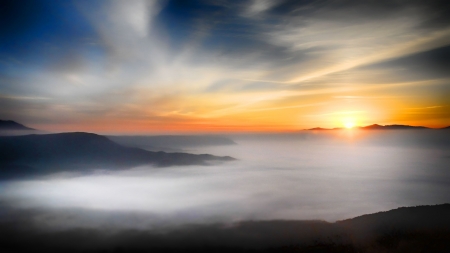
[222, 65]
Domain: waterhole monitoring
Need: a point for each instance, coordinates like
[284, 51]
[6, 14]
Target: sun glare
[349, 124]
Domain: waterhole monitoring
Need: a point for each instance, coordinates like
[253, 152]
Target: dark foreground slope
[42, 154]
[413, 229]
[406, 229]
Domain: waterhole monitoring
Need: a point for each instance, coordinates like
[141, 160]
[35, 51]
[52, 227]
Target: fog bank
[275, 177]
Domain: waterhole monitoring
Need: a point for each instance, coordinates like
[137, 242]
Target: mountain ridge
[391, 127]
[381, 127]
[80, 152]
[12, 125]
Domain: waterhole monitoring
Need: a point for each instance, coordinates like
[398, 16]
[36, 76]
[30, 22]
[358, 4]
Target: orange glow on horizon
[209, 115]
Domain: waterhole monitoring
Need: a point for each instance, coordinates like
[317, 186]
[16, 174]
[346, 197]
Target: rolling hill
[10, 125]
[407, 229]
[43, 154]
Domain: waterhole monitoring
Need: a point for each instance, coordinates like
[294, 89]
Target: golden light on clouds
[365, 62]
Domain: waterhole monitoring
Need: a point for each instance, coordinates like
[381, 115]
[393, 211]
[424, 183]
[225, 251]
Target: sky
[223, 66]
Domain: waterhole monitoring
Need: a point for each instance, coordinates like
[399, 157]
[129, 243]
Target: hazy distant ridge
[12, 125]
[379, 127]
[391, 127]
[82, 151]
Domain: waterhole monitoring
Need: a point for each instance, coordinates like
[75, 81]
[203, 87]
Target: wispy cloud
[147, 61]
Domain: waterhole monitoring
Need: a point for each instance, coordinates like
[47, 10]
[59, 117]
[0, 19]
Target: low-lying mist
[290, 177]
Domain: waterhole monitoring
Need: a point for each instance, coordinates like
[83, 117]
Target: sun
[349, 124]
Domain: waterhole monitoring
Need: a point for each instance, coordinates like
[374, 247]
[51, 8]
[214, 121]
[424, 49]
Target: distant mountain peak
[12, 125]
[318, 129]
[41, 154]
[376, 127]
[391, 127]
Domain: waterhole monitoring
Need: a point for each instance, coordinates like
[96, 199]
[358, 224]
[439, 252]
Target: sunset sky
[223, 66]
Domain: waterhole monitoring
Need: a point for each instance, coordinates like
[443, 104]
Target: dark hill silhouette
[11, 128]
[41, 154]
[436, 216]
[375, 127]
[406, 229]
[12, 125]
[323, 129]
[319, 129]
[386, 136]
[391, 127]
[412, 229]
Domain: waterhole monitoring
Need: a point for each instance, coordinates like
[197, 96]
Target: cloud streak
[168, 62]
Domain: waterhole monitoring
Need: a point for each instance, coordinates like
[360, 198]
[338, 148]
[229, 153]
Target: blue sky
[265, 65]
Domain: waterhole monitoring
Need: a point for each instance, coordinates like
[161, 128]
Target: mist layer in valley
[304, 176]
